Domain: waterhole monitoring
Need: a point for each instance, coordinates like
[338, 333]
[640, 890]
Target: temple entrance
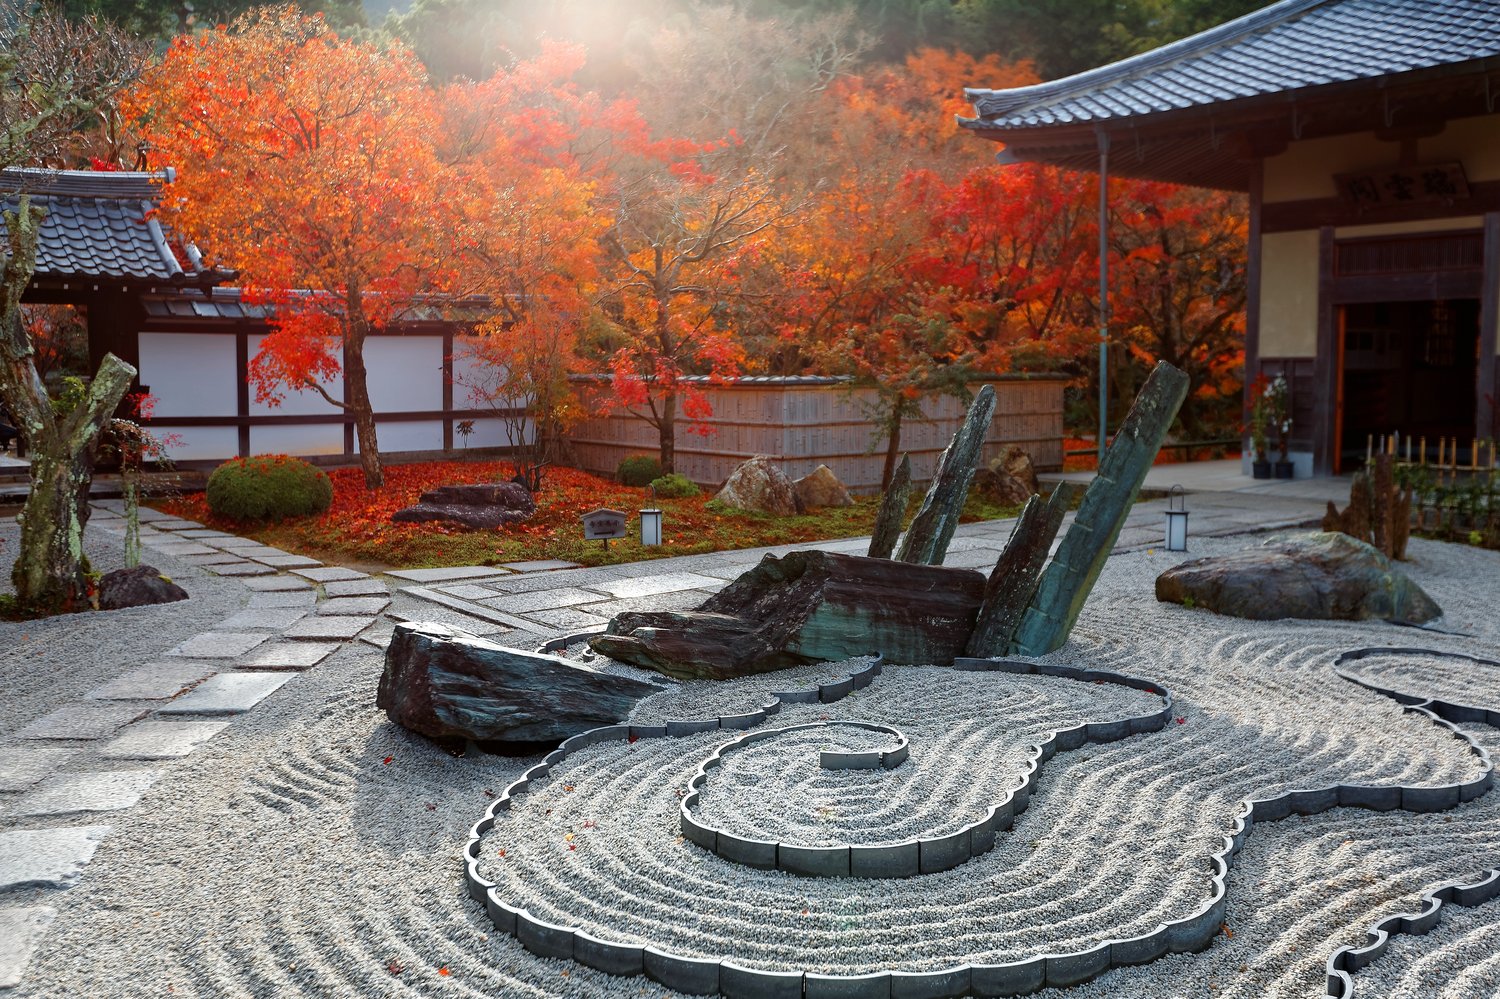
[1409, 368]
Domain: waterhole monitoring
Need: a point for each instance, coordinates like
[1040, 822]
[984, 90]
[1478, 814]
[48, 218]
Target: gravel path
[289, 858]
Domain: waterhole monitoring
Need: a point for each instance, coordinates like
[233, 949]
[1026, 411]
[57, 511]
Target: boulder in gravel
[759, 485]
[139, 587]
[1010, 478]
[1324, 576]
[483, 507]
[452, 686]
[821, 487]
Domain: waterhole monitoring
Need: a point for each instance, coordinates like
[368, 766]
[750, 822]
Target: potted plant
[1259, 418]
[1279, 408]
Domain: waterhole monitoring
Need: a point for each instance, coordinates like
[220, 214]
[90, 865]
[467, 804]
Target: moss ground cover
[357, 528]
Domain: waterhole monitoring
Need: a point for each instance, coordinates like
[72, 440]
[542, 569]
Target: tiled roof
[228, 303]
[1289, 46]
[98, 225]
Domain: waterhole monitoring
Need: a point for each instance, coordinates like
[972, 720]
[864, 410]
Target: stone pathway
[64, 774]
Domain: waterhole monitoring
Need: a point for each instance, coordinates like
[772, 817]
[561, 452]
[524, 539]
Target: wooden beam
[1487, 408]
[1326, 373]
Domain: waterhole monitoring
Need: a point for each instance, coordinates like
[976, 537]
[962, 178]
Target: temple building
[1367, 136]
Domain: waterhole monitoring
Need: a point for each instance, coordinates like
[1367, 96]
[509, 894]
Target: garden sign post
[603, 524]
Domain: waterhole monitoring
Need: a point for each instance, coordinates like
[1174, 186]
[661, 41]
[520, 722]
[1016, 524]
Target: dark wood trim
[448, 389]
[1487, 408]
[1314, 213]
[242, 389]
[325, 419]
[344, 392]
[1252, 285]
[1326, 366]
[1407, 287]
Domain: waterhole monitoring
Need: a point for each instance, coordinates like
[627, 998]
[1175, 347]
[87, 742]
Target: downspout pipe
[1103, 138]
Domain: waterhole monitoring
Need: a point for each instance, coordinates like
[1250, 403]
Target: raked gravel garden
[315, 849]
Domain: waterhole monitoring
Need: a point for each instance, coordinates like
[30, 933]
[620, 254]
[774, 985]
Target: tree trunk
[667, 432]
[892, 447]
[357, 398]
[50, 570]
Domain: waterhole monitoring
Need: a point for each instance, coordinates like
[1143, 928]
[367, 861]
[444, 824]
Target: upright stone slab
[892, 509]
[1066, 583]
[926, 541]
[1013, 582]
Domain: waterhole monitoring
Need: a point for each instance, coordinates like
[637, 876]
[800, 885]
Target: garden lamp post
[651, 523]
[1177, 515]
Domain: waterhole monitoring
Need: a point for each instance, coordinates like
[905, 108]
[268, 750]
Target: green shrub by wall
[268, 487]
[675, 486]
[638, 470]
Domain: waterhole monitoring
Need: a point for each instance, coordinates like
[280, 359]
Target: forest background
[681, 187]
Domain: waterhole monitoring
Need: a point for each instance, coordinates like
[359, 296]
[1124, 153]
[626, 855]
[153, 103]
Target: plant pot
[1260, 469]
[1285, 470]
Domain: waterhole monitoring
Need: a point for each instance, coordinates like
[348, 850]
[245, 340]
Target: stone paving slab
[525, 603]
[240, 569]
[286, 561]
[218, 645]
[288, 655]
[227, 694]
[462, 606]
[284, 598]
[447, 574]
[277, 584]
[177, 525]
[157, 681]
[329, 573]
[355, 588]
[23, 766]
[179, 547]
[568, 619]
[21, 930]
[93, 720]
[47, 858]
[91, 792]
[160, 740]
[265, 618]
[232, 542]
[204, 532]
[360, 606]
[482, 627]
[330, 626]
[467, 591]
[217, 558]
[540, 565]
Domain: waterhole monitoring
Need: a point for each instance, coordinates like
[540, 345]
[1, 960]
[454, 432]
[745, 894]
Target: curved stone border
[1453, 711]
[1345, 961]
[700, 976]
[913, 857]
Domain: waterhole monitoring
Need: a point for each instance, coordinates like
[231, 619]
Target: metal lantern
[651, 527]
[1177, 515]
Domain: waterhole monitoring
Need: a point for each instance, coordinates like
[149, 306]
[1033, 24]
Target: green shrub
[638, 470]
[267, 487]
[675, 486]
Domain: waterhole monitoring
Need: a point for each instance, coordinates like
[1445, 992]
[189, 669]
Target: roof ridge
[996, 102]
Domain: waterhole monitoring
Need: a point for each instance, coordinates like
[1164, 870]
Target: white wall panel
[405, 373]
[491, 433]
[301, 403]
[470, 373]
[418, 435]
[198, 443]
[313, 438]
[190, 374]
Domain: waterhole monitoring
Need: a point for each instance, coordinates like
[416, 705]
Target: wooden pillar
[242, 388]
[1252, 287]
[448, 388]
[1487, 403]
[1326, 365]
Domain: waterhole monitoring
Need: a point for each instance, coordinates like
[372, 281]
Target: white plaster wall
[312, 438]
[405, 374]
[469, 372]
[198, 443]
[416, 435]
[190, 374]
[491, 433]
[303, 403]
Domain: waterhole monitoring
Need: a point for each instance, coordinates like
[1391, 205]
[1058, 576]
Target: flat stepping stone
[160, 740]
[329, 627]
[568, 619]
[289, 655]
[361, 606]
[330, 573]
[200, 534]
[542, 565]
[525, 603]
[23, 766]
[218, 645]
[463, 607]
[305, 599]
[355, 588]
[286, 561]
[267, 618]
[21, 931]
[468, 591]
[647, 586]
[47, 858]
[179, 547]
[230, 541]
[157, 681]
[176, 525]
[217, 558]
[93, 792]
[226, 694]
[277, 584]
[89, 720]
[240, 569]
[447, 574]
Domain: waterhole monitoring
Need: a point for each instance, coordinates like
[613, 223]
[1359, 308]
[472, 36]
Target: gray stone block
[1271, 809]
[829, 759]
[757, 853]
[21, 931]
[1478, 892]
[705, 836]
[285, 598]
[896, 860]
[504, 915]
[226, 694]
[1422, 922]
[1071, 969]
[837, 691]
[897, 756]
[89, 720]
[648, 731]
[1140, 949]
[331, 574]
[815, 861]
[47, 858]
[739, 982]
[288, 655]
[873, 986]
[542, 938]
[218, 645]
[1107, 731]
[930, 984]
[604, 955]
[1314, 801]
[328, 628]
[264, 619]
[23, 766]
[160, 740]
[1429, 799]
[945, 852]
[740, 723]
[357, 587]
[1193, 933]
[277, 584]
[157, 681]
[1016, 978]
[694, 976]
[240, 569]
[88, 792]
[1071, 738]
[677, 727]
[354, 606]
[809, 696]
[446, 574]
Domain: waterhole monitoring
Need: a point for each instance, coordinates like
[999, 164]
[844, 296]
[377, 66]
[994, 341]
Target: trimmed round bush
[268, 487]
[638, 470]
[675, 486]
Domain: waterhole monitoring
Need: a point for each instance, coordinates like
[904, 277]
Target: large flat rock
[47, 858]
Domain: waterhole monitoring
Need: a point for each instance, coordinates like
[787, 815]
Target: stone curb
[1194, 932]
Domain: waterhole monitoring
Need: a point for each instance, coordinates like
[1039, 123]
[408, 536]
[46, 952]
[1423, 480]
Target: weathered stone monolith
[926, 541]
[1013, 582]
[892, 509]
[1066, 583]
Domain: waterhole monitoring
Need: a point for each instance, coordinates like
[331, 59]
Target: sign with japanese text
[603, 524]
[1404, 185]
